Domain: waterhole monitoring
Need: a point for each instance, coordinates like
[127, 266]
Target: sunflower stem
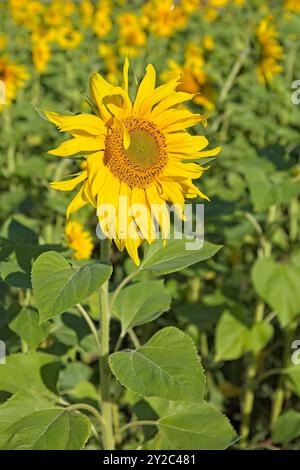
[289, 331]
[278, 398]
[104, 337]
[252, 366]
[249, 395]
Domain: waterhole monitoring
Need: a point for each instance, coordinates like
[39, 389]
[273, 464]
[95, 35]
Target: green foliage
[157, 368]
[58, 286]
[30, 422]
[141, 303]
[278, 284]
[175, 256]
[287, 427]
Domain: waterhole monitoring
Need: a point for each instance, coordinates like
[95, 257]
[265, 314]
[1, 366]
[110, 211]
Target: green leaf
[293, 378]
[49, 429]
[84, 391]
[278, 284]
[26, 325]
[175, 256]
[35, 371]
[73, 373]
[21, 404]
[260, 334]
[287, 427]
[232, 336]
[13, 275]
[58, 286]
[262, 190]
[141, 303]
[200, 427]
[167, 366]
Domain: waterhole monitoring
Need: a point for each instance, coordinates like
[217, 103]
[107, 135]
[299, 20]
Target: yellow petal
[176, 120]
[159, 209]
[77, 203]
[126, 135]
[146, 90]
[170, 101]
[125, 74]
[143, 218]
[183, 170]
[182, 142]
[86, 123]
[132, 248]
[69, 185]
[78, 145]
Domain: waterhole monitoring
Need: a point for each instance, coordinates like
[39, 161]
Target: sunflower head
[271, 51]
[139, 157]
[79, 240]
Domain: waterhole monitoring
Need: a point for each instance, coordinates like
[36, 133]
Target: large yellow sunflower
[138, 152]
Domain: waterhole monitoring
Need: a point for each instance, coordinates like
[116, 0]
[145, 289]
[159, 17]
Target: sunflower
[79, 240]
[194, 78]
[270, 51]
[13, 76]
[136, 152]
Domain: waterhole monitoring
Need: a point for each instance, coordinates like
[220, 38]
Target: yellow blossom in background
[136, 150]
[131, 35]
[86, 12]
[102, 23]
[3, 41]
[164, 17]
[271, 51]
[208, 42]
[292, 6]
[108, 54]
[194, 78]
[26, 12]
[190, 6]
[211, 9]
[68, 38]
[79, 240]
[41, 54]
[14, 77]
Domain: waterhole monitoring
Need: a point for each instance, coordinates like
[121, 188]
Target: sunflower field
[116, 333]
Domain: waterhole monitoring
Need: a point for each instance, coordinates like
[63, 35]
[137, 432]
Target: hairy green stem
[251, 371]
[89, 408]
[278, 397]
[122, 284]
[104, 337]
[137, 423]
[289, 331]
[90, 324]
[293, 219]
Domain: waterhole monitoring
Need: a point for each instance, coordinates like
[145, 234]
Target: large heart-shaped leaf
[30, 421]
[278, 284]
[176, 255]
[37, 372]
[58, 286]
[141, 303]
[26, 325]
[199, 427]
[287, 427]
[167, 366]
